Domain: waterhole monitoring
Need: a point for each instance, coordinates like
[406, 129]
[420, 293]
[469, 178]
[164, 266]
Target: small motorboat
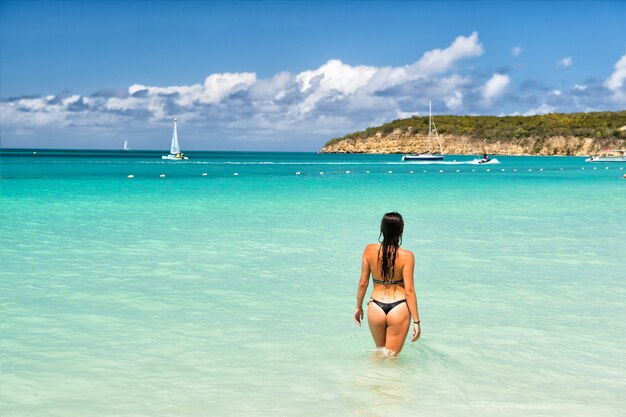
[609, 155]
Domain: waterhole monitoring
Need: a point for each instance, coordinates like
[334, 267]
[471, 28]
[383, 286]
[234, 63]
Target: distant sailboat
[175, 153]
[126, 147]
[428, 156]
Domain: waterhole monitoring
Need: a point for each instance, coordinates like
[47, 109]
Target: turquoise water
[225, 294]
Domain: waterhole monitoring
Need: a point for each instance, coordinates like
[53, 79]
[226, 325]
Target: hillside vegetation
[530, 133]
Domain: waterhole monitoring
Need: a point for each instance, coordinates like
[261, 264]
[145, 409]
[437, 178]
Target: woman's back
[387, 288]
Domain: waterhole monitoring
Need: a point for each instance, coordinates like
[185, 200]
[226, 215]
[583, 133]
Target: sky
[290, 75]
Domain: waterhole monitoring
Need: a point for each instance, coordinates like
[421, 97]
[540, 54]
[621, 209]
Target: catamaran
[609, 155]
[428, 156]
[175, 153]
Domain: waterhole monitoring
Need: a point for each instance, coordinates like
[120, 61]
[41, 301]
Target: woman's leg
[398, 321]
[377, 321]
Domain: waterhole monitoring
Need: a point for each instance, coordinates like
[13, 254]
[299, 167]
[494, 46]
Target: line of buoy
[204, 174]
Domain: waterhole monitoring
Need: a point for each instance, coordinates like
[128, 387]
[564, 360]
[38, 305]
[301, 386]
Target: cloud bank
[314, 105]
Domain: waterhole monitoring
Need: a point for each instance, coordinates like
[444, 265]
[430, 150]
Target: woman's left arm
[362, 288]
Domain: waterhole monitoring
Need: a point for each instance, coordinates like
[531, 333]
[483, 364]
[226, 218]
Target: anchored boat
[428, 156]
[175, 153]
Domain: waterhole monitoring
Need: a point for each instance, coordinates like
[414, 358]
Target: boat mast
[430, 123]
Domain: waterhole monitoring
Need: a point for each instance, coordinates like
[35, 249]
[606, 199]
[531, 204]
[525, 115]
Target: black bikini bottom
[387, 307]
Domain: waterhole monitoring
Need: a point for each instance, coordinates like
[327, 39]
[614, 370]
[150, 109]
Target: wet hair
[391, 228]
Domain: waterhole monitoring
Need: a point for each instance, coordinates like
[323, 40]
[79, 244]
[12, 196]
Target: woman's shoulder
[405, 253]
[372, 247]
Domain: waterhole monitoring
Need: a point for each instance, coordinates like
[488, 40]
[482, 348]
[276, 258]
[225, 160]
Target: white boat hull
[173, 158]
[422, 157]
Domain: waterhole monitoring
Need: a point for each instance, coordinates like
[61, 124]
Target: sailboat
[126, 147]
[175, 153]
[428, 156]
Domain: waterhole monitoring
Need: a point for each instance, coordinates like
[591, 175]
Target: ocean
[227, 286]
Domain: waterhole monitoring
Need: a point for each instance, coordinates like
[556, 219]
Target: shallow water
[212, 295]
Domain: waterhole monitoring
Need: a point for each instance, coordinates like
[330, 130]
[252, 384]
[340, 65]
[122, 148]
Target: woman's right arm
[362, 288]
[411, 299]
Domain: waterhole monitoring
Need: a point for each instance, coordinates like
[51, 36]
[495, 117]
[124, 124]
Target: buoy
[458, 170]
[529, 169]
[595, 167]
[236, 173]
[561, 169]
[322, 173]
[347, 172]
[391, 172]
[540, 169]
[606, 168]
[130, 176]
[473, 170]
[35, 152]
[162, 175]
[367, 172]
[583, 168]
[621, 168]
[503, 169]
[424, 170]
[410, 172]
[515, 170]
[488, 170]
[441, 170]
[298, 173]
[204, 174]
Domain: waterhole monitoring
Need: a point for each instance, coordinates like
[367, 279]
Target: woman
[393, 305]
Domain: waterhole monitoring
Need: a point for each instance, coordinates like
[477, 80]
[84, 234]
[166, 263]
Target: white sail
[126, 148]
[175, 148]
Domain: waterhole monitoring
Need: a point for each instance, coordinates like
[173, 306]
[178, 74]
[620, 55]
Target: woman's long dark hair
[391, 228]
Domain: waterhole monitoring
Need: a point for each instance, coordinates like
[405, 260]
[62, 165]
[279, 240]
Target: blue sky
[291, 75]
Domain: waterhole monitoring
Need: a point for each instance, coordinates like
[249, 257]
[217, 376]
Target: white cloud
[495, 86]
[616, 80]
[565, 62]
[516, 51]
[440, 60]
